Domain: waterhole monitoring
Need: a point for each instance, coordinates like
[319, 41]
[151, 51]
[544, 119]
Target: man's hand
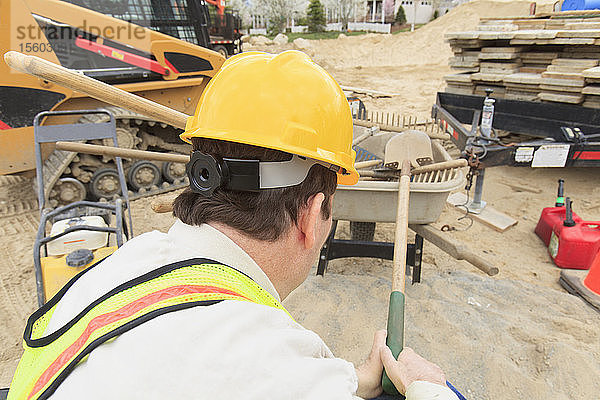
[369, 373]
[410, 367]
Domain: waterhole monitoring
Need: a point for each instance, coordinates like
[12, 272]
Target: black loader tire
[222, 50]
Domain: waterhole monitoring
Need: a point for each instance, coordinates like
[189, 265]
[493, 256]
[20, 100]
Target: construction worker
[196, 312]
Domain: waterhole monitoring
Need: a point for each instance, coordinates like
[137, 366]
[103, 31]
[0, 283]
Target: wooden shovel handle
[120, 152]
[395, 325]
[162, 206]
[454, 248]
[76, 81]
[401, 233]
[440, 166]
[367, 164]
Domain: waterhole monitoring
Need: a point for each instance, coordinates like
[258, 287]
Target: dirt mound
[424, 46]
[16, 196]
[495, 338]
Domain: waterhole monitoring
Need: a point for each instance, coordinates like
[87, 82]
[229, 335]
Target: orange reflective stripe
[115, 316]
[50, 357]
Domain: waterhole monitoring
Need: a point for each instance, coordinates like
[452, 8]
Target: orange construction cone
[589, 287]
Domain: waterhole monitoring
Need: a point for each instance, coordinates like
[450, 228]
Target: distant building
[374, 9]
[416, 11]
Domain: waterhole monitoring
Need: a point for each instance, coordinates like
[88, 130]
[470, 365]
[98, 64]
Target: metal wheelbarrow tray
[375, 201]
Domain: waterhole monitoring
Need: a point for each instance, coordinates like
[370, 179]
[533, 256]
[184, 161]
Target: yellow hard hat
[284, 102]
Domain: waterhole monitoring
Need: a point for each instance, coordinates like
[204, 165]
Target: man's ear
[310, 219]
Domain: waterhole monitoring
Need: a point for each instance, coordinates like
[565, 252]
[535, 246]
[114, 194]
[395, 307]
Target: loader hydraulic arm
[124, 56]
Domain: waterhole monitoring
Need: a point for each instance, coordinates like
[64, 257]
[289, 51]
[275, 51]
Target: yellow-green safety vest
[49, 359]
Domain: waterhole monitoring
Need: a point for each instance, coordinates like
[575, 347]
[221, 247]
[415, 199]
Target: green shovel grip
[395, 335]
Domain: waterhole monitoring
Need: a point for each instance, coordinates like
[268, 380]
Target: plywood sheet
[536, 34]
[498, 56]
[593, 73]
[480, 76]
[466, 69]
[561, 89]
[561, 98]
[591, 89]
[580, 33]
[488, 216]
[568, 69]
[562, 82]
[573, 76]
[462, 78]
[575, 62]
[524, 78]
[539, 55]
[458, 90]
[501, 49]
[582, 25]
[532, 70]
[574, 41]
[521, 96]
[591, 104]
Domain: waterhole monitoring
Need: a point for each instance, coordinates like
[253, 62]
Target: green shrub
[316, 16]
[302, 21]
[276, 25]
[400, 16]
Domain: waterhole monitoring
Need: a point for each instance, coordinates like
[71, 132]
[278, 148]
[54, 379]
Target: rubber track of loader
[56, 164]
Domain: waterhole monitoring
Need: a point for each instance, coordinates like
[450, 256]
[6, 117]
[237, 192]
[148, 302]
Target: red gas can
[574, 244]
[552, 216]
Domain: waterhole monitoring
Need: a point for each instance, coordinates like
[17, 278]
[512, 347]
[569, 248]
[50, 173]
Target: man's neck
[277, 259]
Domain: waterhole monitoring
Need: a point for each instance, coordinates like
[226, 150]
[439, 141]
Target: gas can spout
[560, 199]
[568, 214]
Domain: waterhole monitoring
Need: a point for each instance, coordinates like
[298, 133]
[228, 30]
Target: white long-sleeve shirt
[230, 350]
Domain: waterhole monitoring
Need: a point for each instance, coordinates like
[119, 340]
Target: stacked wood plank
[563, 80]
[552, 57]
[536, 62]
[592, 89]
[522, 86]
[459, 83]
[466, 55]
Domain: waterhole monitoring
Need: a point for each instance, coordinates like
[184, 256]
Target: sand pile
[494, 338]
[423, 47]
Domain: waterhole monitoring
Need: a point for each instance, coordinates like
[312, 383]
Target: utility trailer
[561, 135]
[225, 30]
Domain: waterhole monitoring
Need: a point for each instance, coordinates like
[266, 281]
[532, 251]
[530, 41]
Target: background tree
[277, 24]
[245, 11]
[277, 12]
[344, 8]
[388, 10]
[316, 16]
[400, 16]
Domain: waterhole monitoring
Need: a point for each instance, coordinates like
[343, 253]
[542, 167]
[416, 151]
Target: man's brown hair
[263, 215]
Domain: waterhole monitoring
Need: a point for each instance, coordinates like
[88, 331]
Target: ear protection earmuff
[206, 173]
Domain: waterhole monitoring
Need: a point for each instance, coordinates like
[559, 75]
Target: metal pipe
[477, 205]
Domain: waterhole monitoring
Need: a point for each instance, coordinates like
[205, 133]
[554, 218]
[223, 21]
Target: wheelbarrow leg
[324, 256]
